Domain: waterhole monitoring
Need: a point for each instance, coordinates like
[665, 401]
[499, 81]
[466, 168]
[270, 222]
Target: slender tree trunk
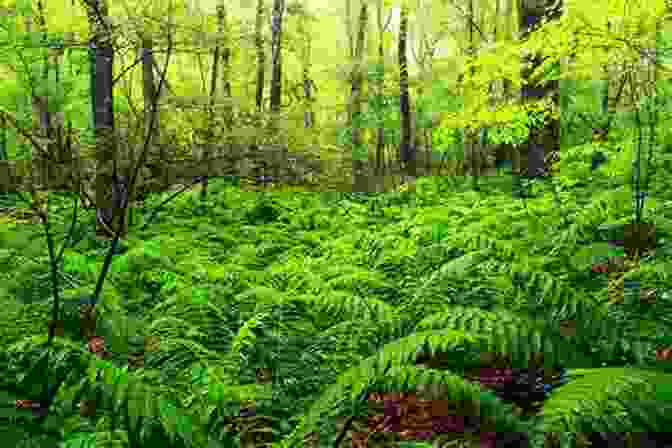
[472, 160]
[214, 75]
[222, 48]
[276, 55]
[276, 73]
[223, 27]
[41, 123]
[380, 86]
[48, 123]
[359, 167]
[111, 191]
[261, 56]
[495, 94]
[407, 146]
[41, 103]
[150, 94]
[3, 139]
[611, 97]
[308, 114]
[52, 124]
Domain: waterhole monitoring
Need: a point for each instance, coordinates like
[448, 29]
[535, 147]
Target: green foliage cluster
[336, 296]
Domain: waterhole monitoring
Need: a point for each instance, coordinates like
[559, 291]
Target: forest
[363, 223]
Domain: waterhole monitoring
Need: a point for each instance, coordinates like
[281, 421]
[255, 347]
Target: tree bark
[308, 83]
[261, 56]
[545, 138]
[380, 86]
[276, 55]
[360, 176]
[407, 148]
[109, 194]
[472, 160]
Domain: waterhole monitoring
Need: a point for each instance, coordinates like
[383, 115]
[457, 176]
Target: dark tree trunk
[149, 93]
[308, 115]
[3, 139]
[546, 138]
[111, 195]
[226, 62]
[261, 57]
[407, 148]
[276, 55]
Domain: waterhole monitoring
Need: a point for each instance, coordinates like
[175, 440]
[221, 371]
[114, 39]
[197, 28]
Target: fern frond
[609, 389]
[395, 355]
[466, 398]
[506, 332]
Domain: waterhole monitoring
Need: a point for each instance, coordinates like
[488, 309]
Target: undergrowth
[335, 296]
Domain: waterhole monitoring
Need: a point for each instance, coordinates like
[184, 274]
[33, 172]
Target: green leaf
[168, 280]
[199, 296]
[152, 248]
[134, 412]
[199, 375]
[215, 392]
[168, 418]
[439, 231]
[120, 263]
[80, 440]
[664, 391]
[184, 425]
[76, 262]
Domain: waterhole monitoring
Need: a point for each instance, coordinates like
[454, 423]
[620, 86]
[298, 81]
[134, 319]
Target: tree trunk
[261, 57]
[359, 166]
[407, 148]
[3, 139]
[308, 83]
[150, 94]
[276, 71]
[222, 48]
[545, 138]
[380, 86]
[110, 192]
[41, 122]
[472, 160]
[308, 114]
[276, 55]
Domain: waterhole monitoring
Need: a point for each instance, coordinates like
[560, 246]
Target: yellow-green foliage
[581, 33]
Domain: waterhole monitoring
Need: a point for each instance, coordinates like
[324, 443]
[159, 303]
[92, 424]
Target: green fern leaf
[80, 440]
[134, 408]
[603, 385]
[168, 417]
